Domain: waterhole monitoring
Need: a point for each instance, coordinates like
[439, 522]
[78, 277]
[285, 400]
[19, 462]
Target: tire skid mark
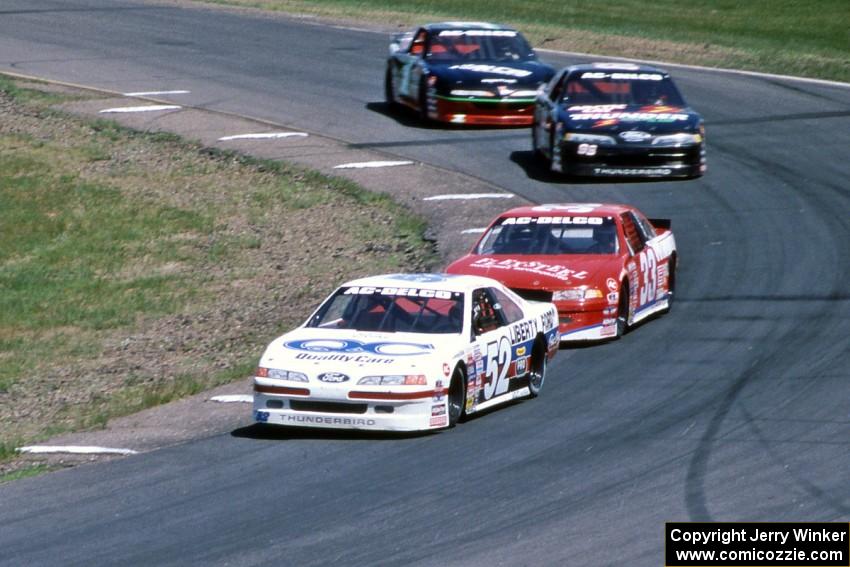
[784, 341]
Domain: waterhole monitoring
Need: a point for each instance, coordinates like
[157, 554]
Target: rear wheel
[623, 309]
[537, 372]
[457, 396]
[671, 283]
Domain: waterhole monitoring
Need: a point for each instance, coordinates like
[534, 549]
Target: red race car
[605, 267]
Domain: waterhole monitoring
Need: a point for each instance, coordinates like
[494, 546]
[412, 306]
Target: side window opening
[634, 237]
[417, 46]
[511, 312]
[485, 317]
[558, 89]
[646, 227]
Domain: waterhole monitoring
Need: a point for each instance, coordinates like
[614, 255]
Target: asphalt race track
[735, 407]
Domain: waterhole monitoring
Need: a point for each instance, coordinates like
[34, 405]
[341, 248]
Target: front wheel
[537, 372]
[535, 147]
[389, 88]
[623, 309]
[457, 396]
[423, 101]
[555, 163]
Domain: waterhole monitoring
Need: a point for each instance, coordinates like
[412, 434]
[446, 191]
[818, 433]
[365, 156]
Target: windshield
[633, 88]
[479, 45]
[551, 236]
[389, 309]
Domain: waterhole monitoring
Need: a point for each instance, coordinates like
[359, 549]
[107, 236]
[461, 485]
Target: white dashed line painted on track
[365, 164]
[155, 93]
[264, 136]
[151, 108]
[77, 449]
[473, 231]
[465, 196]
[233, 398]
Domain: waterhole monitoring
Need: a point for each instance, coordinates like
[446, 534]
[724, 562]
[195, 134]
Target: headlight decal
[279, 374]
[577, 294]
[679, 139]
[394, 380]
[473, 93]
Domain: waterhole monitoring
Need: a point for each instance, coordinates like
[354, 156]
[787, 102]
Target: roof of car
[617, 67]
[439, 26]
[568, 209]
[447, 282]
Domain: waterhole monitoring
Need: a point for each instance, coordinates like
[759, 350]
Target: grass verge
[140, 268]
[780, 36]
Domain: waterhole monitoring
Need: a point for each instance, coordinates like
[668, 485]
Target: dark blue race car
[617, 120]
[465, 73]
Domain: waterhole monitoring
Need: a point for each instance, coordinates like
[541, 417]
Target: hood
[547, 273]
[313, 350]
[491, 75]
[615, 118]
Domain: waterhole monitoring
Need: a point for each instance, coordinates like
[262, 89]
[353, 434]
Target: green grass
[63, 242]
[782, 36]
[7, 450]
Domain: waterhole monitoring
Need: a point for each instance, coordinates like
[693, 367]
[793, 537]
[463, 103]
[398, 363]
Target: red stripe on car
[393, 395]
[281, 390]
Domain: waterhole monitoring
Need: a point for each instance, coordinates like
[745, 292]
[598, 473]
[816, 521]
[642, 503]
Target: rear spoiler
[661, 223]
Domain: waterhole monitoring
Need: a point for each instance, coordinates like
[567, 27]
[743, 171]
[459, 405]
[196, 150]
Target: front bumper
[598, 322]
[588, 320]
[632, 160]
[492, 113]
[587, 325]
[354, 407]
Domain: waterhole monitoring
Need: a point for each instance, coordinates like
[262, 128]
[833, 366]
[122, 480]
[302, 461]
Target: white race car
[406, 352]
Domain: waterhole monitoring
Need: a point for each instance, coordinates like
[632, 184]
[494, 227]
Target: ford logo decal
[635, 136]
[333, 377]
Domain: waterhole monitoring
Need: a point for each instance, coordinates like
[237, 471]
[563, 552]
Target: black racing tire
[538, 153]
[389, 90]
[551, 158]
[537, 369]
[623, 306]
[422, 101]
[457, 396]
